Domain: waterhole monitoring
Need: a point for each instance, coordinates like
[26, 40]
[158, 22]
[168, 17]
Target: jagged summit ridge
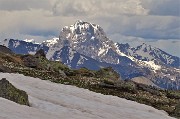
[82, 25]
[81, 31]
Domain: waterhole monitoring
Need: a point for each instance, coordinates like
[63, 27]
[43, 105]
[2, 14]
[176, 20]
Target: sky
[155, 22]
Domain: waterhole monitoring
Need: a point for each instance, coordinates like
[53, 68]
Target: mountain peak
[83, 25]
[79, 21]
[82, 31]
[144, 46]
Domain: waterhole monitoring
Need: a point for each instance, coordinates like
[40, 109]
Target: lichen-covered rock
[8, 91]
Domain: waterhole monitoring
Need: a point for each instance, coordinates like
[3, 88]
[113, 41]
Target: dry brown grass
[10, 58]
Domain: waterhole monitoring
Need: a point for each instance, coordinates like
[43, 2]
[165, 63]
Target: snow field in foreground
[56, 101]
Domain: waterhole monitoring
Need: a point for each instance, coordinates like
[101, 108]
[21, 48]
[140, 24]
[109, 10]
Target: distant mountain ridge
[146, 52]
[86, 45]
[23, 47]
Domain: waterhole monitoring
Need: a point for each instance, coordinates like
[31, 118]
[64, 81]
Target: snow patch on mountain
[122, 54]
[16, 44]
[50, 42]
[29, 40]
[152, 65]
[101, 51]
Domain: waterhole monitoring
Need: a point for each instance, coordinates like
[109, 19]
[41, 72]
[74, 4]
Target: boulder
[8, 91]
[40, 53]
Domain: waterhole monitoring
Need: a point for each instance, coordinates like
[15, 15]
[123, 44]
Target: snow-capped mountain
[144, 60]
[146, 52]
[23, 46]
[90, 40]
[86, 45]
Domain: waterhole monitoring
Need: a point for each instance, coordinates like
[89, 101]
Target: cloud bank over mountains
[148, 20]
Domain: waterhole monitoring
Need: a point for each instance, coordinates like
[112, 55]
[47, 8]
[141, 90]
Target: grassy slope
[104, 81]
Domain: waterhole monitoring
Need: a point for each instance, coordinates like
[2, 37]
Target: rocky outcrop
[8, 91]
[30, 61]
[40, 53]
[4, 69]
[4, 49]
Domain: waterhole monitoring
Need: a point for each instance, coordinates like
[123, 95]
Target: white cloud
[98, 7]
[162, 7]
[44, 19]
[150, 27]
[20, 5]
